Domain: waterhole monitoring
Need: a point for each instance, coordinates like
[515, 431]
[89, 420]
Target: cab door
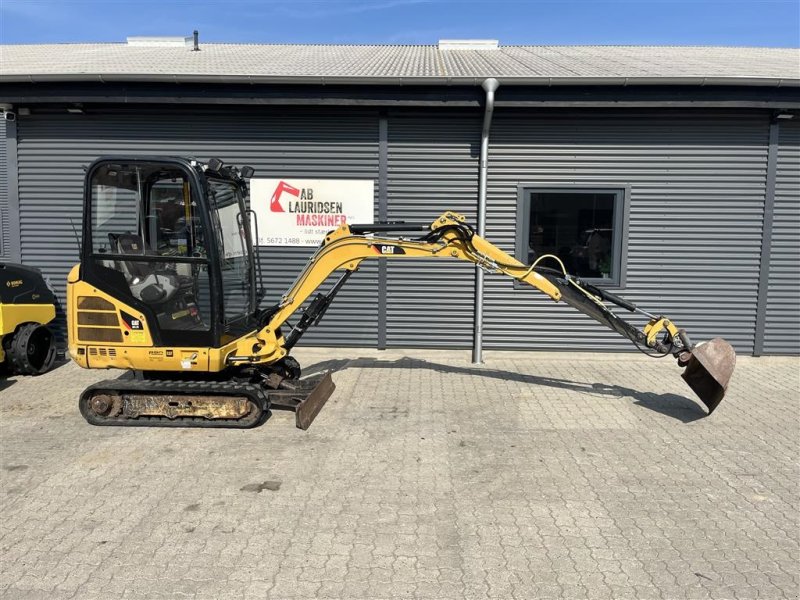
[146, 243]
[235, 257]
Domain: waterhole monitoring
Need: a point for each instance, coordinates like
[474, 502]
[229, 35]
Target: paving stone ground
[534, 476]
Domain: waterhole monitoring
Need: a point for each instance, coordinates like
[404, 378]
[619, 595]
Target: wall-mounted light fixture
[7, 112]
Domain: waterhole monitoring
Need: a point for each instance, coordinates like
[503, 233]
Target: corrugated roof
[535, 65]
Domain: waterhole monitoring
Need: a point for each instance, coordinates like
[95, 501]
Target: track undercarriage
[242, 401]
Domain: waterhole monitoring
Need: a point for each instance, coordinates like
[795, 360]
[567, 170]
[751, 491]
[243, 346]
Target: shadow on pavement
[5, 382]
[671, 405]
[7, 379]
[60, 362]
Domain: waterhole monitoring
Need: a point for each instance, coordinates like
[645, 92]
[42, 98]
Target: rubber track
[254, 394]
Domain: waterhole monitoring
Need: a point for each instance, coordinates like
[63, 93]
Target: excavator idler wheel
[101, 405]
[32, 350]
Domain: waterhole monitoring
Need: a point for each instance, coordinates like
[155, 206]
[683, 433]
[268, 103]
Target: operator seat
[148, 283]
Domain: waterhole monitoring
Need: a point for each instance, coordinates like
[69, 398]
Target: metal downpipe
[489, 86]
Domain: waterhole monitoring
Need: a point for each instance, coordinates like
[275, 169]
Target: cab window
[145, 226]
[152, 204]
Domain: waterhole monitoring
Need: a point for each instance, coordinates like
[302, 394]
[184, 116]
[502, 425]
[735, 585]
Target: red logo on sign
[274, 204]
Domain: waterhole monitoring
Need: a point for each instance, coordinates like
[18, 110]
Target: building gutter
[432, 80]
[489, 86]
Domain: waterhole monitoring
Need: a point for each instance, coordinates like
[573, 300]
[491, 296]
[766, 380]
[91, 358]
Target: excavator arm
[709, 365]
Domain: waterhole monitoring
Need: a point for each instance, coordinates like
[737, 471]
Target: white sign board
[299, 212]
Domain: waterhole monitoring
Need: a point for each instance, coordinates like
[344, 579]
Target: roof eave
[432, 80]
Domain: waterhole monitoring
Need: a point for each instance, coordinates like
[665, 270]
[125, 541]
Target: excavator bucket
[709, 370]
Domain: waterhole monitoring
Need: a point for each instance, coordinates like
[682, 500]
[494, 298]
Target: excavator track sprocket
[165, 403]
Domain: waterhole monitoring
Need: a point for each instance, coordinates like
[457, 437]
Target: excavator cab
[171, 241]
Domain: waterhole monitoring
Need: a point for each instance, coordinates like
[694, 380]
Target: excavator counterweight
[168, 289]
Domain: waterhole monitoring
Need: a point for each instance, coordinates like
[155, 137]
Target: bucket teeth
[709, 371]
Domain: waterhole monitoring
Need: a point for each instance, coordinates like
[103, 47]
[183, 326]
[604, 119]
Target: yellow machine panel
[108, 334]
[14, 315]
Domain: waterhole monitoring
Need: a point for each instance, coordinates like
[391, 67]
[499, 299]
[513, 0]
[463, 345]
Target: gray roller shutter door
[782, 325]
[277, 142]
[5, 253]
[697, 188]
[696, 211]
[432, 167]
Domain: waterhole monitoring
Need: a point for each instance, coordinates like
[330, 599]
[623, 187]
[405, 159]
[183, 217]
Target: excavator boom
[709, 365]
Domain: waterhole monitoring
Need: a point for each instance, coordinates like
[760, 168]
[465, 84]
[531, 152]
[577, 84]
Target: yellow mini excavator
[167, 289]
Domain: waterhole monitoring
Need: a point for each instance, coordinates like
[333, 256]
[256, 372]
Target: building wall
[432, 167]
[5, 245]
[782, 324]
[697, 187]
[696, 213]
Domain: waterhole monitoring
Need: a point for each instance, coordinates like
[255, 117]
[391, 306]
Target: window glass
[178, 293]
[578, 227]
[168, 211]
[151, 203]
[142, 220]
[114, 211]
[228, 223]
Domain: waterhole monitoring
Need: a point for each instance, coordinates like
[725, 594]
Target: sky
[774, 23]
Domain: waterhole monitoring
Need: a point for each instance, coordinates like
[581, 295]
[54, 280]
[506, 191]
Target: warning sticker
[133, 327]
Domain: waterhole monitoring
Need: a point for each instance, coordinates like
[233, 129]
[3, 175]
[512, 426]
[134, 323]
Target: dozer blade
[306, 399]
[709, 370]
